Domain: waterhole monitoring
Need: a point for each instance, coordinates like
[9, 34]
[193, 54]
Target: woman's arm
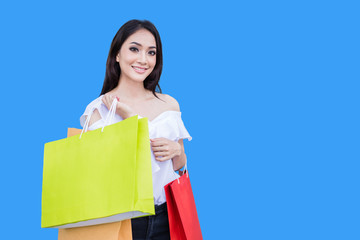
[121, 109]
[180, 160]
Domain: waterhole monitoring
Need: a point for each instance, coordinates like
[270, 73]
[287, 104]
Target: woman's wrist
[123, 114]
[178, 151]
[129, 115]
[179, 162]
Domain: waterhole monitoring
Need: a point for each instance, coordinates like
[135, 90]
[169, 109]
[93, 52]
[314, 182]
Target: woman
[133, 72]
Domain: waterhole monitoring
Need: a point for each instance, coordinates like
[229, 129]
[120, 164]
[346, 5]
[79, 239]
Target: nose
[142, 59]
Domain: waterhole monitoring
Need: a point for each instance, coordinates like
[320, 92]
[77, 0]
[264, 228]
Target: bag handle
[111, 114]
[109, 117]
[182, 172]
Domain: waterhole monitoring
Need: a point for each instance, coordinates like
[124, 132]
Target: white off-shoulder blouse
[166, 125]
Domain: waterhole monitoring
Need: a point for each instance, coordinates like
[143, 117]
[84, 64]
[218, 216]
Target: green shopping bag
[104, 176]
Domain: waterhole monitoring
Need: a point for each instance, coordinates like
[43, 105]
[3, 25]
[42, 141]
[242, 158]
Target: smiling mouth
[139, 69]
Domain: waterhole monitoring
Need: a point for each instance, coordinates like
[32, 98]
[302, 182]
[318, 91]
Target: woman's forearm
[179, 161]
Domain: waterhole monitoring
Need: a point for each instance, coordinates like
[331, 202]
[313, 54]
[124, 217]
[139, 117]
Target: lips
[139, 69]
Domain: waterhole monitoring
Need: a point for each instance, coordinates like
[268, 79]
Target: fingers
[160, 149]
[161, 154]
[108, 99]
[161, 159]
[156, 142]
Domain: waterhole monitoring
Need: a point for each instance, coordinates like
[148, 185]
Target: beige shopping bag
[108, 231]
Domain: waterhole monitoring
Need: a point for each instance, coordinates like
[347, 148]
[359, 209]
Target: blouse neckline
[156, 118]
[161, 114]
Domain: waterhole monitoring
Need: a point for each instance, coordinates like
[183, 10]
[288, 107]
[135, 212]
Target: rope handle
[182, 172]
[110, 116]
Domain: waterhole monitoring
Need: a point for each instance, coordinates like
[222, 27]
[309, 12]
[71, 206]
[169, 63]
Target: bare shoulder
[171, 102]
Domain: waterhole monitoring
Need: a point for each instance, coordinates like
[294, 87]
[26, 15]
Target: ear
[117, 57]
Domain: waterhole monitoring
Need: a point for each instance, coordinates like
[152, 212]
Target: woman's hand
[121, 108]
[165, 149]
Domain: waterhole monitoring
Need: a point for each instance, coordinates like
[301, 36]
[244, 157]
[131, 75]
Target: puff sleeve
[182, 133]
[95, 104]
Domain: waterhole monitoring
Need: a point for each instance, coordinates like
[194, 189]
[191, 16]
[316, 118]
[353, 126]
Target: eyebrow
[141, 45]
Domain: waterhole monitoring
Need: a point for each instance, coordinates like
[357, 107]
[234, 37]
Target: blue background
[269, 91]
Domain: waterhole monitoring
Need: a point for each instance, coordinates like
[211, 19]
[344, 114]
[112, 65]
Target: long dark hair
[113, 70]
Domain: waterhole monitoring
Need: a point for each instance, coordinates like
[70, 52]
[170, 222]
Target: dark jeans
[154, 227]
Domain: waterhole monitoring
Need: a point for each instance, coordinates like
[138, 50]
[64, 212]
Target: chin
[138, 79]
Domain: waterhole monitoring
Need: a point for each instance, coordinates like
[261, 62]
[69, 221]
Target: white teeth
[141, 69]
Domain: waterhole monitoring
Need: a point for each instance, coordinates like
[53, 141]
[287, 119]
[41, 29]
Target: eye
[152, 53]
[134, 49]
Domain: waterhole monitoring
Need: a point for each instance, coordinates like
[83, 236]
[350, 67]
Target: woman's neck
[131, 90]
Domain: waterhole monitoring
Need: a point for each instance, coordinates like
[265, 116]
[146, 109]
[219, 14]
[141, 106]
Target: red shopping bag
[183, 219]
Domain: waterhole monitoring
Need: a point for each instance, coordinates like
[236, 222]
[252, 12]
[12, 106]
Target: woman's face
[137, 56]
